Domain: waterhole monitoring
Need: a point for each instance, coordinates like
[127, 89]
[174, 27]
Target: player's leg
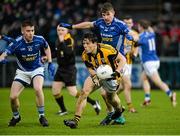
[81, 103]
[127, 92]
[20, 80]
[114, 100]
[16, 89]
[38, 80]
[72, 85]
[146, 88]
[126, 82]
[163, 86]
[56, 91]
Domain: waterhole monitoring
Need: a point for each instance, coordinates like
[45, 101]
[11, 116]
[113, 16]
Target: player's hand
[116, 74]
[51, 69]
[44, 59]
[68, 26]
[4, 61]
[95, 80]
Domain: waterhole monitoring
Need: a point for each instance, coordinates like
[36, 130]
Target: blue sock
[147, 97]
[16, 114]
[169, 93]
[41, 110]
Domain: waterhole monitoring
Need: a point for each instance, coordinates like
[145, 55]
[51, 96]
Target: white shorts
[127, 70]
[150, 67]
[110, 86]
[26, 77]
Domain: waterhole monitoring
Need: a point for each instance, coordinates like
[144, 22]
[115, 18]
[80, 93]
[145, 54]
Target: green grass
[159, 118]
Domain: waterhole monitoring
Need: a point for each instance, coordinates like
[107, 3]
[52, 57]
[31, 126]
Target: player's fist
[116, 74]
[68, 26]
[51, 69]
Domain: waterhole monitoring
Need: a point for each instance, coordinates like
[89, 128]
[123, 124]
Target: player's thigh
[126, 81]
[72, 90]
[38, 81]
[37, 77]
[88, 86]
[16, 89]
[56, 87]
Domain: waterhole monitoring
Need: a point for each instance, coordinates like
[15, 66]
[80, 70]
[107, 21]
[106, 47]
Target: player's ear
[22, 31]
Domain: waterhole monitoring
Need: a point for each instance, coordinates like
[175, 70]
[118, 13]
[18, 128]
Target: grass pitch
[160, 118]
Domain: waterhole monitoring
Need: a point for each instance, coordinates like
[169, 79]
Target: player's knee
[84, 93]
[13, 97]
[128, 86]
[55, 91]
[38, 88]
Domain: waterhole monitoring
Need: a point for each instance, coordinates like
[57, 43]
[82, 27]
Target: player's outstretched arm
[83, 25]
[7, 38]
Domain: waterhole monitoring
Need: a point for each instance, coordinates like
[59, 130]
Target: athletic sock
[60, 101]
[40, 110]
[16, 114]
[77, 118]
[169, 93]
[78, 94]
[91, 101]
[130, 105]
[147, 97]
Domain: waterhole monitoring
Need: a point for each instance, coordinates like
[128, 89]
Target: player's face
[62, 30]
[89, 47]
[108, 16]
[140, 29]
[129, 23]
[28, 33]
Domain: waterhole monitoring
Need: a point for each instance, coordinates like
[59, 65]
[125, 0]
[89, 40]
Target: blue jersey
[28, 54]
[112, 34]
[147, 50]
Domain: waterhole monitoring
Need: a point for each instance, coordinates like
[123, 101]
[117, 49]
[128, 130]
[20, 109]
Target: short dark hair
[91, 37]
[127, 17]
[144, 23]
[106, 7]
[27, 23]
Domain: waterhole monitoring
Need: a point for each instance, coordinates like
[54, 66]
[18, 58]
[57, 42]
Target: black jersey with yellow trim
[65, 52]
[106, 54]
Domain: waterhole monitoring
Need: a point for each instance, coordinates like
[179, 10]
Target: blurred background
[46, 14]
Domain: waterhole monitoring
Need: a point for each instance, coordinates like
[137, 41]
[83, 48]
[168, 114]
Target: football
[104, 72]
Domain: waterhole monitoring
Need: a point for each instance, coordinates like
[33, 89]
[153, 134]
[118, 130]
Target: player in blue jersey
[27, 48]
[112, 32]
[150, 62]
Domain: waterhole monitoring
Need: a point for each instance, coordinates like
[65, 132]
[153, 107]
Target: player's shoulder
[106, 47]
[38, 37]
[84, 56]
[118, 21]
[99, 21]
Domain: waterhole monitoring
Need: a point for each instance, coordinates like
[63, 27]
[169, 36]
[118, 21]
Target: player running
[150, 62]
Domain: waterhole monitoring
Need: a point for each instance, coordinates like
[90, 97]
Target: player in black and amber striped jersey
[130, 52]
[94, 55]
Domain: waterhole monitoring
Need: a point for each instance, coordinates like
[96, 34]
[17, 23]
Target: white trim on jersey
[119, 44]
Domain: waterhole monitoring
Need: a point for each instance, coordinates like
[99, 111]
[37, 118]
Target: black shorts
[66, 75]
